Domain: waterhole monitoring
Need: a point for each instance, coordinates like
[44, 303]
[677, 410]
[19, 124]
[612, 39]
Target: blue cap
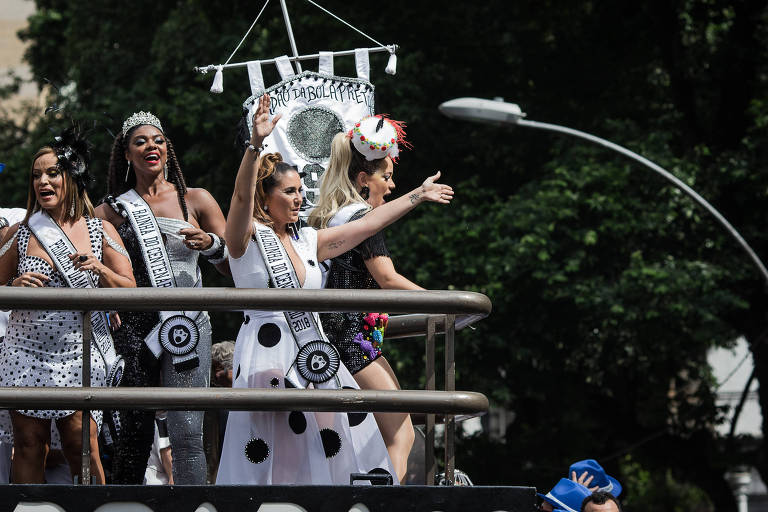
[601, 479]
[567, 495]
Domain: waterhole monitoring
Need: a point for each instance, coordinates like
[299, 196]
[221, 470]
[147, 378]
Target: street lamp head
[482, 111]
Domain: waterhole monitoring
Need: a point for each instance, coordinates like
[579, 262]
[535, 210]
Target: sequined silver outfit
[142, 370]
[348, 271]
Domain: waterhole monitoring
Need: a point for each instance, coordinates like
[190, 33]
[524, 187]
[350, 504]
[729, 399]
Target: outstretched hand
[262, 126]
[435, 192]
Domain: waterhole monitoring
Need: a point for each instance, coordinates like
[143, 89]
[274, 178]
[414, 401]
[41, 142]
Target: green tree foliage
[608, 285]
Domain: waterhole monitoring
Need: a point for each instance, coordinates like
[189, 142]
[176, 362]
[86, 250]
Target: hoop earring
[127, 170]
[165, 171]
[365, 192]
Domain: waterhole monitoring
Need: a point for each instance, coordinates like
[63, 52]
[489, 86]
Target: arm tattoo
[414, 197]
[336, 244]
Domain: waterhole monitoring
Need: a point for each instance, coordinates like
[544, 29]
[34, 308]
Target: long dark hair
[118, 165]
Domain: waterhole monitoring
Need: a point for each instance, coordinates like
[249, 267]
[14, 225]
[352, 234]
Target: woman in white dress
[44, 348]
[294, 447]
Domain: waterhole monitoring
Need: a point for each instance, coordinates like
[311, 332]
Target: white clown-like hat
[376, 137]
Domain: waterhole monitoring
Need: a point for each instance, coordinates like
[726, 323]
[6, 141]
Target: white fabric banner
[315, 107]
[325, 64]
[255, 77]
[362, 64]
[284, 67]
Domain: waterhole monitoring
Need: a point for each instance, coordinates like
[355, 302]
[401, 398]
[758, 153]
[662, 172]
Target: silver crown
[140, 118]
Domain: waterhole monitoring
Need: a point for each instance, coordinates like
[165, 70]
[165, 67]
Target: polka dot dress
[44, 348]
[292, 447]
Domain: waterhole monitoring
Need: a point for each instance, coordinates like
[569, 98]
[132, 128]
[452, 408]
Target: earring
[266, 208]
[127, 170]
[365, 192]
[165, 171]
[72, 210]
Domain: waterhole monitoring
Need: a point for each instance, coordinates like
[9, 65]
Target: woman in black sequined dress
[354, 183]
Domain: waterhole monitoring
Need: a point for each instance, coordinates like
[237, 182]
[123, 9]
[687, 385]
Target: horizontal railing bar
[409, 326]
[224, 299]
[316, 400]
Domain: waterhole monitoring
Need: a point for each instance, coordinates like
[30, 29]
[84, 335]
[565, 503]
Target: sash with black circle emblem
[59, 247]
[317, 361]
[177, 331]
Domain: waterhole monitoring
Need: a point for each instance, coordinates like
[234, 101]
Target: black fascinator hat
[74, 153]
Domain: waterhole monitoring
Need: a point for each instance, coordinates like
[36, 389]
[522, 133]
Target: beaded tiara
[140, 118]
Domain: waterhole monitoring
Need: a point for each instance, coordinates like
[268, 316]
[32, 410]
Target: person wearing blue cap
[565, 496]
[592, 475]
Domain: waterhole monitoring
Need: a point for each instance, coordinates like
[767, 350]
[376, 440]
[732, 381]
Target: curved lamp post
[500, 112]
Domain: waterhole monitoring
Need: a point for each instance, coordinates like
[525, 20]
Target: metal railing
[437, 313]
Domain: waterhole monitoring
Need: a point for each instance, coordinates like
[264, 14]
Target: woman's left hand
[435, 192]
[87, 261]
[196, 239]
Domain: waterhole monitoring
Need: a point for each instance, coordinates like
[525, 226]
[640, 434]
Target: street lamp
[500, 112]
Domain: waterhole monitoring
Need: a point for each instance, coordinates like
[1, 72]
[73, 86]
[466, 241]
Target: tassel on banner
[218, 81]
[391, 68]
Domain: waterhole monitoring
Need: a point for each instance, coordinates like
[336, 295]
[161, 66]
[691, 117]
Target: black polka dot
[269, 335]
[356, 418]
[331, 442]
[256, 450]
[275, 382]
[298, 422]
[238, 372]
[288, 384]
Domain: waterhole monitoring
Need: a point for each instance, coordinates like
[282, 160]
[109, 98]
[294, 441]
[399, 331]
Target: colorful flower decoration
[372, 336]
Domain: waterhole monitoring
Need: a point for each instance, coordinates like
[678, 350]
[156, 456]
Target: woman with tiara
[289, 349]
[359, 178]
[59, 244]
[166, 227]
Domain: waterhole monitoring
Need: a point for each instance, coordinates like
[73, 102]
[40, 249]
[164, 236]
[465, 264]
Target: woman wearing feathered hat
[288, 349]
[167, 227]
[59, 244]
[359, 177]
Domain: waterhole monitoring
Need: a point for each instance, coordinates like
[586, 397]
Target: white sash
[317, 360]
[59, 247]
[177, 332]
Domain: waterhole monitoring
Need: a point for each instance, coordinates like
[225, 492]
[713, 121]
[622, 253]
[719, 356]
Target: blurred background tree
[608, 285]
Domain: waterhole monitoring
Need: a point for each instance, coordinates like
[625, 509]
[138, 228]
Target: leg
[185, 428]
[31, 441]
[396, 428]
[71, 431]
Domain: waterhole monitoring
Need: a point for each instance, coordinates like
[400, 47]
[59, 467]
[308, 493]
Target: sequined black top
[348, 271]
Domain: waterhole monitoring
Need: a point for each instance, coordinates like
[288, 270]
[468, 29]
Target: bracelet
[214, 245]
[224, 256]
[254, 149]
[4, 223]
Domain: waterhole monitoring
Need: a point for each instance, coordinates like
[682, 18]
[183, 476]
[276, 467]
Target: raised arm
[240, 217]
[337, 240]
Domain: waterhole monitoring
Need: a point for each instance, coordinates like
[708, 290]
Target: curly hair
[270, 166]
[120, 179]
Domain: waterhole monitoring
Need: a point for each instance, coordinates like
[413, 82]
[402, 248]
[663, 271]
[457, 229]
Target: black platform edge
[310, 498]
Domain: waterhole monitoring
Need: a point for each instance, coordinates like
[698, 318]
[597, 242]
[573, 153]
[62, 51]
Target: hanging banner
[315, 107]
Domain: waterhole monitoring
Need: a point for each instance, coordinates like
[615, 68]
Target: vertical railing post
[85, 461]
[429, 425]
[450, 385]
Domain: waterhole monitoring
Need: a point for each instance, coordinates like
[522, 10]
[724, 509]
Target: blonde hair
[270, 165]
[337, 187]
[74, 200]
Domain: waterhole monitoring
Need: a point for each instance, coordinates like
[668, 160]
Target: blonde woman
[359, 177]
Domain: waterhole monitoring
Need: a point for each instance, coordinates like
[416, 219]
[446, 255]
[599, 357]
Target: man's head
[600, 502]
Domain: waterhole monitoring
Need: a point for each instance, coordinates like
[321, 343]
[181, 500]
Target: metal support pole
[85, 461]
[430, 467]
[290, 34]
[450, 385]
